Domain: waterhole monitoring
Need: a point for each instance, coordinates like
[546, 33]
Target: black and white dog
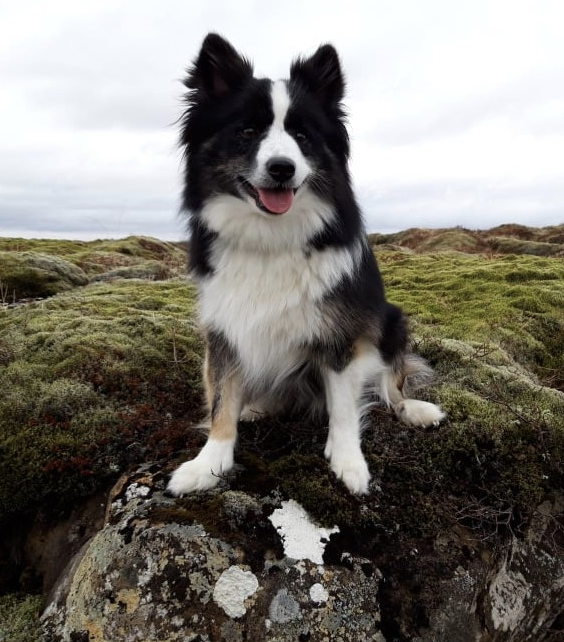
[291, 299]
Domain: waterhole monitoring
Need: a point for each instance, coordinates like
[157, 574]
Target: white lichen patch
[135, 491]
[509, 593]
[302, 539]
[318, 593]
[232, 588]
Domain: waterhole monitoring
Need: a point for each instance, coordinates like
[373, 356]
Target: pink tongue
[276, 201]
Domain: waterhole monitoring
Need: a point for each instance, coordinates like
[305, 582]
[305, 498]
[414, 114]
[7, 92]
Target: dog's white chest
[267, 305]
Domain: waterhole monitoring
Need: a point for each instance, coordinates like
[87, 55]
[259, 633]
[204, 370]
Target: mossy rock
[34, 274]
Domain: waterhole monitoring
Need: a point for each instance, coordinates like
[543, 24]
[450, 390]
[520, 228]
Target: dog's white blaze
[266, 304]
[278, 141]
[280, 103]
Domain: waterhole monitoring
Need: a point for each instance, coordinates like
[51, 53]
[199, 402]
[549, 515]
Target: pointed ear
[321, 74]
[218, 69]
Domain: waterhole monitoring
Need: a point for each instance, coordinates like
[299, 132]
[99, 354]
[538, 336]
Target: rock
[156, 572]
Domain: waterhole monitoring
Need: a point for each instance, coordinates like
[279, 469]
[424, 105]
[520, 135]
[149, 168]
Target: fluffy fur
[291, 299]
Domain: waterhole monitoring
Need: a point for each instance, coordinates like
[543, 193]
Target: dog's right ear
[219, 69]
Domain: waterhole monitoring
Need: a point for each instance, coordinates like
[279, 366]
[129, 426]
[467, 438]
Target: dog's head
[265, 143]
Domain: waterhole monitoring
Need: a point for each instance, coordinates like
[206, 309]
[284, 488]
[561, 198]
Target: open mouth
[270, 200]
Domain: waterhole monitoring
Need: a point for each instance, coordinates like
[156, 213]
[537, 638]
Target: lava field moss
[105, 376]
[93, 380]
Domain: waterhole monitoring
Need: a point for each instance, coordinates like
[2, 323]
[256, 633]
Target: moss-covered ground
[19, 617]
[93, 380]
[106, 375]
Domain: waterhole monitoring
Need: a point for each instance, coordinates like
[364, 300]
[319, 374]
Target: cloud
[455, 109]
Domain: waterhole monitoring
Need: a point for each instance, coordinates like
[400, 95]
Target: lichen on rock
[153, 573]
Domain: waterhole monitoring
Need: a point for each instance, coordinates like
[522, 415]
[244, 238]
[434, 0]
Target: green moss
[515, 302]
[19, 618]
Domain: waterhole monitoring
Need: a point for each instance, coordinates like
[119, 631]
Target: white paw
[352, 471]
[203, 472]
[419, 413]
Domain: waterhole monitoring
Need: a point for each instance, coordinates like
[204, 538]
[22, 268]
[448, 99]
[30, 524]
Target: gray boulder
[231, 566]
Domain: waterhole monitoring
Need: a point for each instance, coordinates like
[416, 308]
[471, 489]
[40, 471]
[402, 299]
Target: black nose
[281, 169]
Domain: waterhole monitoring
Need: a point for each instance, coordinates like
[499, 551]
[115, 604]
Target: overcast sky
[456, 107]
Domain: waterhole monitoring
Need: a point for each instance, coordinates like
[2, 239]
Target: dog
[291, 300]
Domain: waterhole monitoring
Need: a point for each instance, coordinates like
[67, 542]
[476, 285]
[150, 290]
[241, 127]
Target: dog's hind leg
[410, 411]
[224, 394]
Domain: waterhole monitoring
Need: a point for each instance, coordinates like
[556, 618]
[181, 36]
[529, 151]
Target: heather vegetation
[101, 371]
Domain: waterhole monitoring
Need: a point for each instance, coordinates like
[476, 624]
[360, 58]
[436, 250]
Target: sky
[456, 108]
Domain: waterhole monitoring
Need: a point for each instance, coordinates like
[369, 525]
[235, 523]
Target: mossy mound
[549, 234]
[151, 270]
[34, 274]
[122, 258]
[505, 245]
[43, 267]
[504, 239]
[93, 380]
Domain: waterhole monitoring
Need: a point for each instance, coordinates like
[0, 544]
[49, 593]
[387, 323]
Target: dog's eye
[249, 132]
[300, 137]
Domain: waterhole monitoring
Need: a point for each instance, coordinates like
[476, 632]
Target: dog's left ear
[321, 74]
[219, 68]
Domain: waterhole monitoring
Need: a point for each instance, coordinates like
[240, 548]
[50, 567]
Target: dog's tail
[396, 385]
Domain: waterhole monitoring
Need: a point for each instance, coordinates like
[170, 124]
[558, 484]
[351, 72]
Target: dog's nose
[281, 169]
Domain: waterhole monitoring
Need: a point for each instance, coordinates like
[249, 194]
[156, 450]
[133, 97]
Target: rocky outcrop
[232, 566]
[154, 573]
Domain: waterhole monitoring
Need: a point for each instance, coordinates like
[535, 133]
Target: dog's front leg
[343, 391]
[216, 457]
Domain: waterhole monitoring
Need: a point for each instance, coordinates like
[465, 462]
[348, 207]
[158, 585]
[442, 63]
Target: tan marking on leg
[226, 414]
[208, 381]
[361, 347]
